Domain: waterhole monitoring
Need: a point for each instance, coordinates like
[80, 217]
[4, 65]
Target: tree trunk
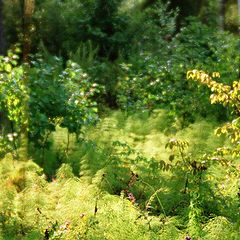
[223, 4]
[238, 3]
[2, 40]
[28, 9]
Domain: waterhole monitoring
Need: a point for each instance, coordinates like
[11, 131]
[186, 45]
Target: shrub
[151, 80]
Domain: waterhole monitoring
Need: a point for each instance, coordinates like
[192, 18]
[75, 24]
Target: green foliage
[12, 22]
[227, 95]
[144, 196]
[53, 97]
[150, 30]
[86, 213]
[81, 109]
[13, 89]
[85, 54]
[144, 173]
[80, 22]
[151, 80]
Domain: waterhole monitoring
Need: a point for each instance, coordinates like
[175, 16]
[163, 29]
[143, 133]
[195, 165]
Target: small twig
[68, 142]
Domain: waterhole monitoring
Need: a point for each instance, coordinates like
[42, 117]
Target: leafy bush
[53, 97]
[151, 80]
[226, 95]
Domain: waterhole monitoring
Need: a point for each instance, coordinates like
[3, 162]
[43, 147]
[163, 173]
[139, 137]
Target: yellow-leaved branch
[225, 95]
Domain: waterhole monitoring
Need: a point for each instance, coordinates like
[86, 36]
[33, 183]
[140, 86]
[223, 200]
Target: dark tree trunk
[28, 9]
[223, 4]
[2, 40]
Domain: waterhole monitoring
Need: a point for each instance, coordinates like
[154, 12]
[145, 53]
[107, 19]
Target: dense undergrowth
[103, 132]
[120, 182]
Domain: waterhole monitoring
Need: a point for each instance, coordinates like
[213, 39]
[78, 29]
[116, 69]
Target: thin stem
[155, 192]
[186, 184]
[68, 142]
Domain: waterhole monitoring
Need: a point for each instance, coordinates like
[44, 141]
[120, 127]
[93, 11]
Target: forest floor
[121, 183]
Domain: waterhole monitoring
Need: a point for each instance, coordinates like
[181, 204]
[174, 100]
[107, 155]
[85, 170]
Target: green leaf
[8, 68]
[171, 157]
[14, 62]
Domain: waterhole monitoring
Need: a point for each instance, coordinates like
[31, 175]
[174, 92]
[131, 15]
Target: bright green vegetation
[107, 189]
[119, 119]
